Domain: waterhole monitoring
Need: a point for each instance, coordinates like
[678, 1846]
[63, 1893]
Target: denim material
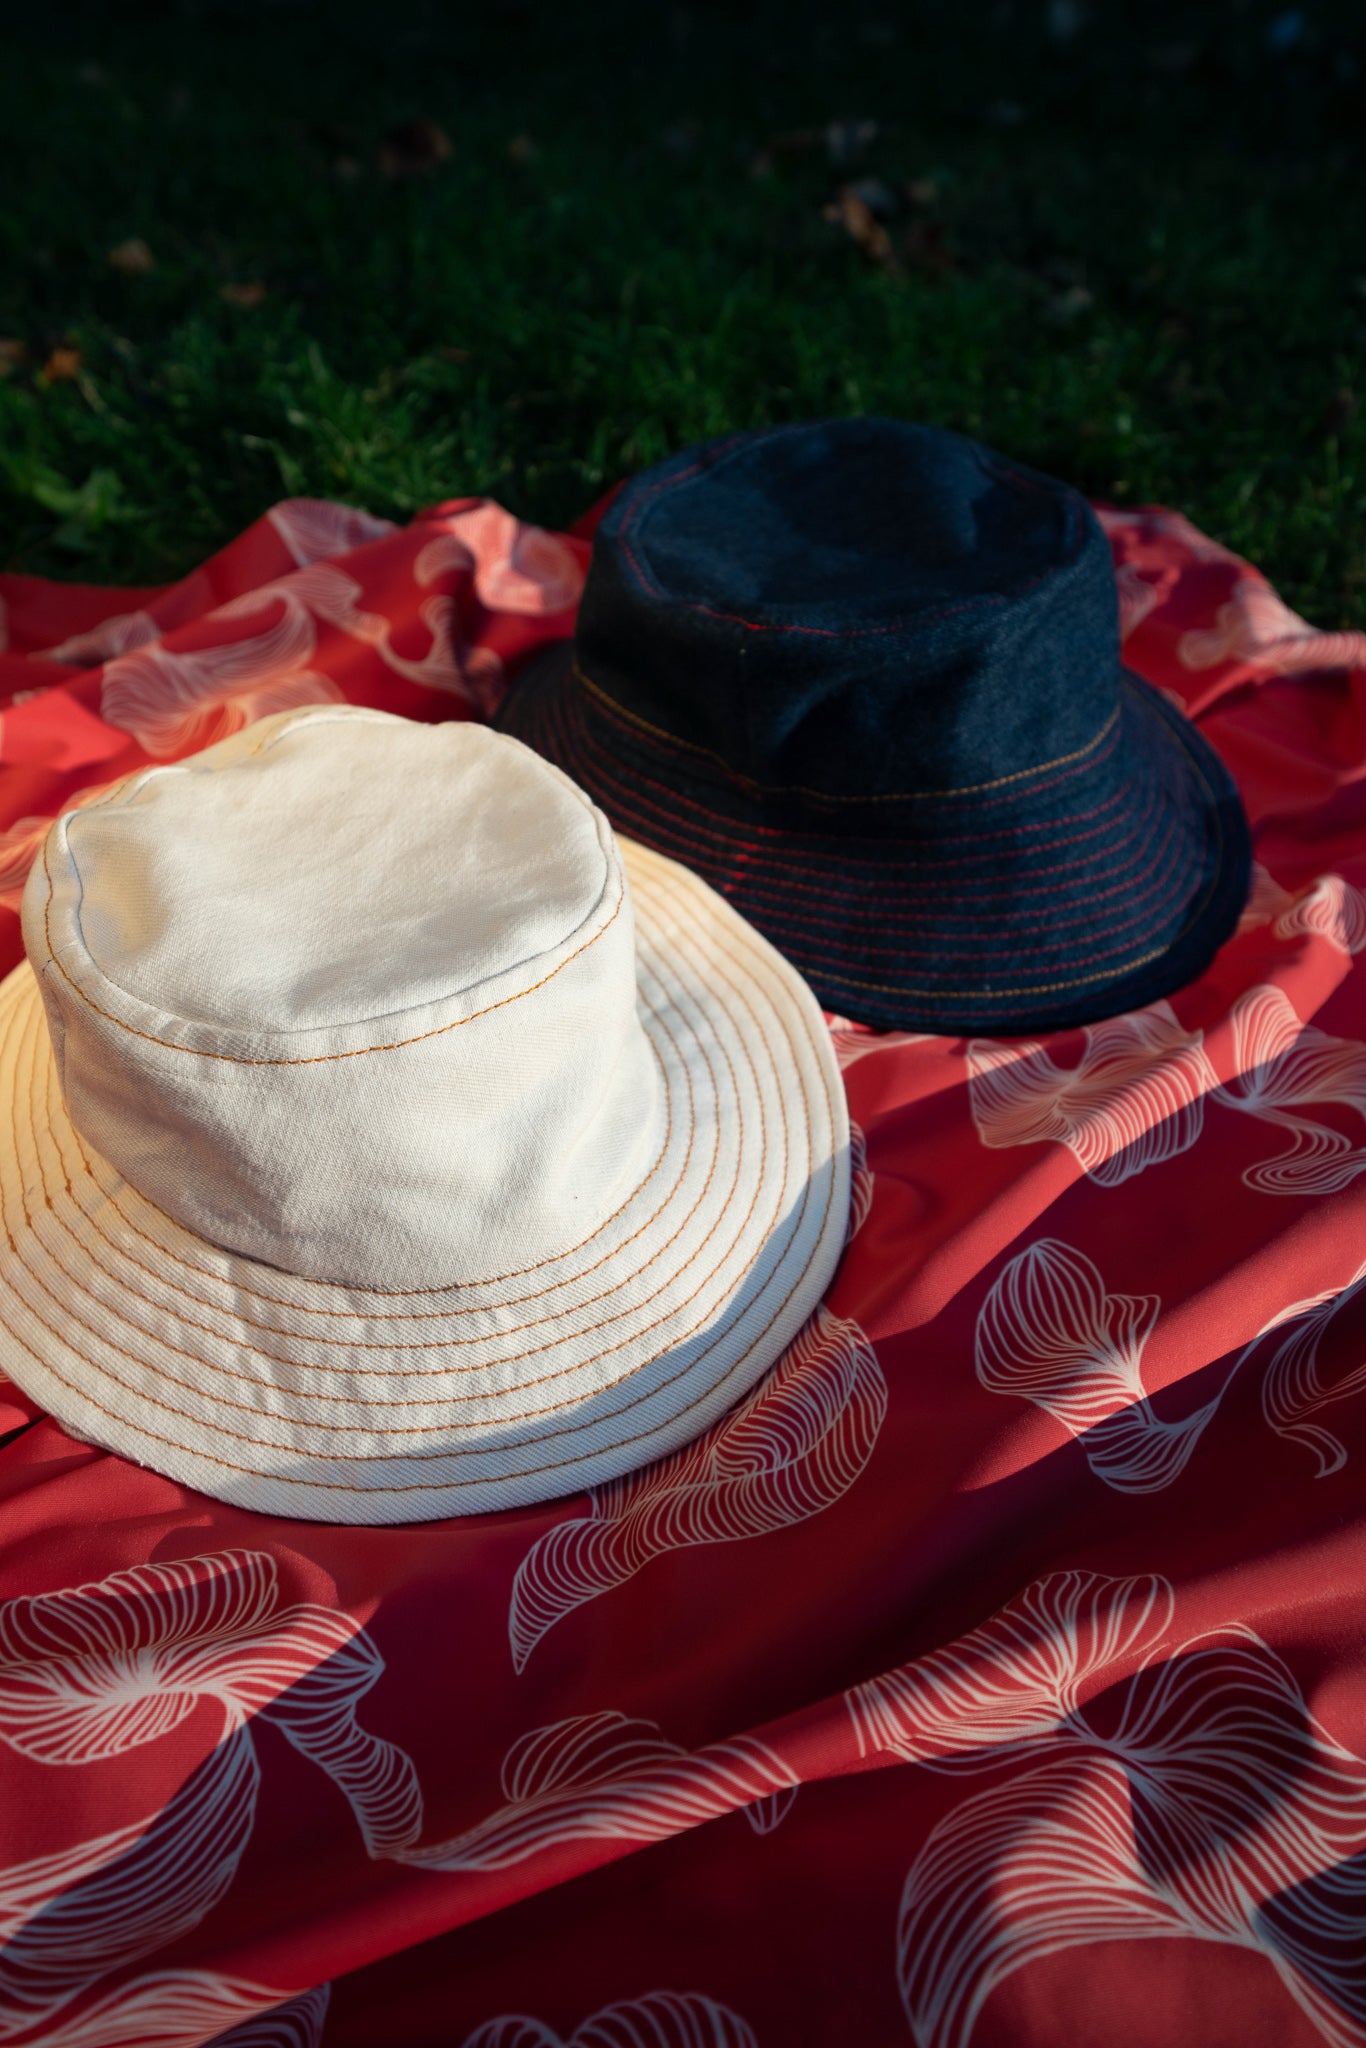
[864, 677]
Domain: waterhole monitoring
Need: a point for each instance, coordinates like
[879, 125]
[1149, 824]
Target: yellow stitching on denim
[822, 796]
[1082, 981]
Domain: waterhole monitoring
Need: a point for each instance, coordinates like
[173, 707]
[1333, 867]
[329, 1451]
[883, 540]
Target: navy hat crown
[865, 677]
[861, 608]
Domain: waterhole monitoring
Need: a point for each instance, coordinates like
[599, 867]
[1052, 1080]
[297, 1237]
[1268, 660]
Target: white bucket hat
[388, 1140]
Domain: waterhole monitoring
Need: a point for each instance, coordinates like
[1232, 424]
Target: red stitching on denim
[838, 845]
[1074, 904]
[652, 491]
[854, 911]
[880, 877]
[728, 880]
[788, 880]
[916, 619]
[1110, 975]
[841, 840]
[820, 965]
[1085, 756]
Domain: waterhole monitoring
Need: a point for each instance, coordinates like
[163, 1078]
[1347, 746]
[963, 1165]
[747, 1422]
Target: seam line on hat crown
[900, 796]
[1113, 974]
[317, 1059]
[785, 883]
[367, 1316]
[391, 1347]
[553, 728]
[477, 1285]
[996, 468]
[440, 1487]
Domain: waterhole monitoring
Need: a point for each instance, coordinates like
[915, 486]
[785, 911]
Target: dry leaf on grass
[522, 150]
[13, 354]
[250, 294]
[851, 211]
[413, 149]
[877, 196]
[132, 257]
[63, 366]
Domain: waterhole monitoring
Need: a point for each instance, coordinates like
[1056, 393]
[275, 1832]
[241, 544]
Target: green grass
[1142, 264]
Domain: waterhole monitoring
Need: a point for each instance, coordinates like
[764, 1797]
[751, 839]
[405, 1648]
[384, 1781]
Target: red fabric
[995, 1674]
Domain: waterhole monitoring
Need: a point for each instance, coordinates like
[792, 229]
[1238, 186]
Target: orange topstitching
[532, 1414]
[318, 1059]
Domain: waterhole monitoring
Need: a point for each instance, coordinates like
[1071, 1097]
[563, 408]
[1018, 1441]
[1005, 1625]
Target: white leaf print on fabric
[604, 1777]
[1057, 1837]
[1137, 597]
[19, 843]
[314, 528]
[1015, 1680]
[333, 596]
[1158, 523]
[96, 1670]
[191, 2009]
[318, 1715]
[1329, 909]
[861, 1183]
[117, 635]
[661, 2019]
[1210, 1804]
[67, 1919]
[853, 1042]
[789, 1450]
[93, 1672]
[1256, 626]
[1293, 1388]
[173, 702]
[519, 569]
[1135, 1098]
[1266, 899]
[1282, 1067]
[1050, 1333]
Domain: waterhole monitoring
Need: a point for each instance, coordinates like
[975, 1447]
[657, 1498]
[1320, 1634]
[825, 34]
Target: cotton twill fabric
[363, 1405]
[992, 1675]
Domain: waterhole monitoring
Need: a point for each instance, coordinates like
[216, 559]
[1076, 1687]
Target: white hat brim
[362, 1405]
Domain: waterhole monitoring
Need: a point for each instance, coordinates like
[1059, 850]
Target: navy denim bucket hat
[864, 677]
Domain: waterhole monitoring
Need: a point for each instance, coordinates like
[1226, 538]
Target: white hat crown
[352, 997]
[386, 1140]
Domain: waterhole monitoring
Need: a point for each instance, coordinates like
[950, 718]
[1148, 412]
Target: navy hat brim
[1087, 887]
